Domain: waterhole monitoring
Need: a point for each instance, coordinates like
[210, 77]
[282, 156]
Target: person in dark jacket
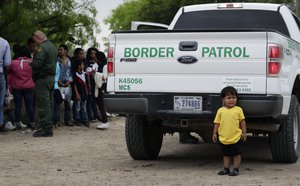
[91, 65]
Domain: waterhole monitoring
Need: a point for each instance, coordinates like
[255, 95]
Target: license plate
[187, 103]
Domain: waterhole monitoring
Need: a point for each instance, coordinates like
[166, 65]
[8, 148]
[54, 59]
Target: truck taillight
[274, 52]
[274, 60]
[110, 52]
[110, 61]
[274, 68]
[110, 67]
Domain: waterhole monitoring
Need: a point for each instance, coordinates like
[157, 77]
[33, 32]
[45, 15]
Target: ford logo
[187, 59]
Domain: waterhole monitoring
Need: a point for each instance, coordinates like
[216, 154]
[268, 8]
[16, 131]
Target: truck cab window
[232, 19]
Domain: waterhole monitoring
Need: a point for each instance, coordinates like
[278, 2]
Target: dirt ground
[86, 156]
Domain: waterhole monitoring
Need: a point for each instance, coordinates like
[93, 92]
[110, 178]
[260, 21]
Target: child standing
[80, 90]
[230, 130]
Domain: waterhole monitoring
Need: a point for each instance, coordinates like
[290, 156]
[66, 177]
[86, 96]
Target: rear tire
[143, 138]
[285, 142]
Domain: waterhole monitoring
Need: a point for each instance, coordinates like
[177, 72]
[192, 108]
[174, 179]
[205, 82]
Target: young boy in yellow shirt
[230, 130]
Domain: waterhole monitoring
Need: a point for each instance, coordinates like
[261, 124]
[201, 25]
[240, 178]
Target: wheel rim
[296, 131]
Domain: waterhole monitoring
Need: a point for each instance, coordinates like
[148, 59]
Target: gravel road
[86, 156]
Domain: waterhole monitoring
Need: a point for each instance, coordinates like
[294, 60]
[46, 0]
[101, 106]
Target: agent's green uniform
[43, 72]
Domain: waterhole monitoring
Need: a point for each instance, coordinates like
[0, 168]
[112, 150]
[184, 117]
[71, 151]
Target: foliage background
[64, 21]
[74, 21]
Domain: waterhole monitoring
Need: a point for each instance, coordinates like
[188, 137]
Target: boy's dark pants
[232, 149]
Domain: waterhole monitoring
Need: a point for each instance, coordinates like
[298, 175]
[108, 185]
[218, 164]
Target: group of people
[45, 77]
[38, 71]
[77, 81]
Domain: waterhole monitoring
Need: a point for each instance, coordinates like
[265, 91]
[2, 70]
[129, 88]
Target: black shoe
[234, 172]
[225, 171]
[43, 133]
[187, 138]
[77, 123]
[85, 123]
[69, 124]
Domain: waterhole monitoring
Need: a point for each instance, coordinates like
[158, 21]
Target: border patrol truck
[169, 80]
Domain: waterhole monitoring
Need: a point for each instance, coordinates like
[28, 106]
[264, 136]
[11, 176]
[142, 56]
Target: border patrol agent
[43, 72]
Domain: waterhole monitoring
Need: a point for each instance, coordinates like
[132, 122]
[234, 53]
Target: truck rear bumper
[161, 105]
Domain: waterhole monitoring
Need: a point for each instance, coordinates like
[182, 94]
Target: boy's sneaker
[9, 126]
[22, 125]
[225, 171]
[234, 172]
[103, 126]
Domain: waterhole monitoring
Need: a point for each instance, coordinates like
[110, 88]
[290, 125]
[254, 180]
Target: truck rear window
[232, 19]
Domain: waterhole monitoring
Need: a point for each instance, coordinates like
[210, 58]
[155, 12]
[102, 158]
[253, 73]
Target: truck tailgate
[189, 62]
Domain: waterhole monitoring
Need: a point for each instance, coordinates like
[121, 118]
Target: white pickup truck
[170, 80]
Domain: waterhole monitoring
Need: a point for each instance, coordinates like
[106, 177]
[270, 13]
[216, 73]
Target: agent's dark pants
[44, 97]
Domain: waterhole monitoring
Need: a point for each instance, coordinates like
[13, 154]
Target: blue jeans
[27, 94]
[80, 111]
[2, 96]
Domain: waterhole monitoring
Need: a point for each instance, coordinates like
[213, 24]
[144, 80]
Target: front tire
[143, 137]
[285, 142]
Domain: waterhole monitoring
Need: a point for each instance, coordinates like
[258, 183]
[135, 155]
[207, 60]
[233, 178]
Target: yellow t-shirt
[229, 119]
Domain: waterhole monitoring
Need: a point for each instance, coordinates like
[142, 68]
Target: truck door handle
[188, 46]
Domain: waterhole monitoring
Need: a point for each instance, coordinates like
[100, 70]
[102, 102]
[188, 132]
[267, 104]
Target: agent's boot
[43, 133]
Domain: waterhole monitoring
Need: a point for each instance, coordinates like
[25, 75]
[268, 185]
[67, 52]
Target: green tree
[62, 20]
[159, 11]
